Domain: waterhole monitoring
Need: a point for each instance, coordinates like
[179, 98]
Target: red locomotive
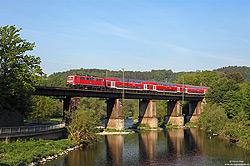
[133, 84]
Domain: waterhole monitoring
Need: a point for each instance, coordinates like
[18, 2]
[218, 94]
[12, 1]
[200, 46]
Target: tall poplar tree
[18, 71]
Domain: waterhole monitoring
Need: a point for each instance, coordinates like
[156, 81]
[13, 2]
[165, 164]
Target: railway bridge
[147, 103]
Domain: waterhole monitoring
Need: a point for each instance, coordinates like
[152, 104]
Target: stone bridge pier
[115, 118]
[195, 110]
[174, 113]
[70, 104]
[147, 113]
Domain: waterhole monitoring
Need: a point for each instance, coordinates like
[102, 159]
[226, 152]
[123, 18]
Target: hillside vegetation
[244, 70]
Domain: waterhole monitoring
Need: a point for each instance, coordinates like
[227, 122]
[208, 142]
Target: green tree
[82, 127]
[213, 119]
[219, 89]
[205, 78]
[246, 102]
[130, 108]
[18, 71]
[44, 108]
[95, 104]
[233, 103]
[161, 111]
[236, 76]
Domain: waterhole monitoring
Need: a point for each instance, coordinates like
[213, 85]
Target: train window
[70, 77]
[75, 77]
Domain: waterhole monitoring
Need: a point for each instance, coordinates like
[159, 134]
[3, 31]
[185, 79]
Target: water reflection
[114, 149]
[175, 140]
[169, 147]
[147, 145]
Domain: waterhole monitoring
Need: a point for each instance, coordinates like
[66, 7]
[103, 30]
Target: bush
[213, 119]
[82, 127]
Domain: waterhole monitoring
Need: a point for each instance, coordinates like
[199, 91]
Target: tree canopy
[18, 71]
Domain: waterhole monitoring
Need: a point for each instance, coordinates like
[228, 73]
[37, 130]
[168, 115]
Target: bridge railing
[29, 129]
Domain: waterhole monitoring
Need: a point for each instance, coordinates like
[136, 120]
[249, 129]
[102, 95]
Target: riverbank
[214, 121]
[33, 151]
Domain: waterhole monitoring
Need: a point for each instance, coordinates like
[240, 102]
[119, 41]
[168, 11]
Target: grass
[171, 125]
[144, 127]
[55, 119]
[113, 130]
[25, 152]
[191, 124]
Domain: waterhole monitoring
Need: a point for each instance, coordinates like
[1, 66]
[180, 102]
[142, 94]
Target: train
[133, 84]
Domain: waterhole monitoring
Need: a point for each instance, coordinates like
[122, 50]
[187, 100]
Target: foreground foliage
[215, 121]
[44, 107]
[82, 126]
[18, 71]
[25, 152]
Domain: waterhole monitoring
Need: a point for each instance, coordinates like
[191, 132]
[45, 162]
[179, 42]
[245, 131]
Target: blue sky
[138, 35]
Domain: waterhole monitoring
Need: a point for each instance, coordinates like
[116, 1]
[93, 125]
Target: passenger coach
[132, 84]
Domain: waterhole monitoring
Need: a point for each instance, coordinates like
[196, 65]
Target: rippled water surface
[169, 147]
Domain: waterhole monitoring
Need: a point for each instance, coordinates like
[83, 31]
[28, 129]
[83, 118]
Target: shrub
[213, 119]
[82, 127]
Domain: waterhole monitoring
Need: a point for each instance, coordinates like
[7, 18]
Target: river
[169, 147]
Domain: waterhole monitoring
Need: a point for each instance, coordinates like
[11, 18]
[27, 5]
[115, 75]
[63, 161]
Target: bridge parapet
[22, 131]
